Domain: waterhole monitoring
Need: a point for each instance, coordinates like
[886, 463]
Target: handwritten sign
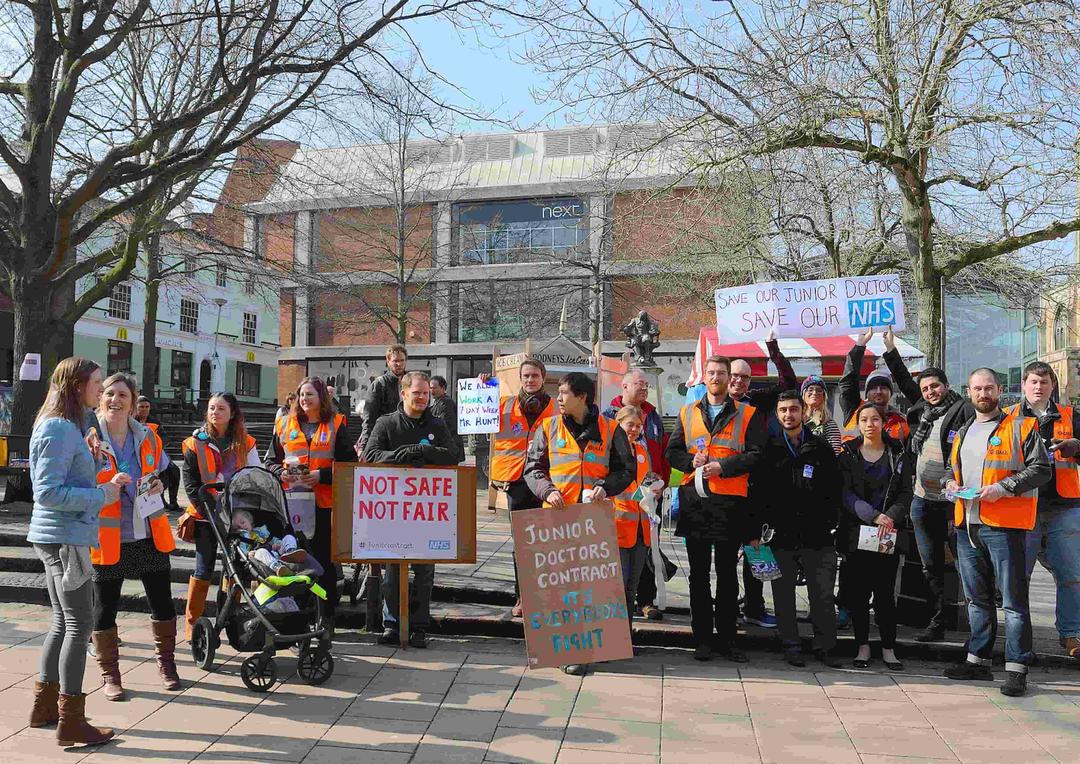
[574, 605]
[821, 308]
[477, 406]
[404, 514]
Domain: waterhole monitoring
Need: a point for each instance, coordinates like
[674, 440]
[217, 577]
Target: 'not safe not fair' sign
[405, 513]
[821, 308]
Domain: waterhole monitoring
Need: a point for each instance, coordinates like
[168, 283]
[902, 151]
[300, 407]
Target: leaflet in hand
[873, 538]
[962, 493]
[146, 503]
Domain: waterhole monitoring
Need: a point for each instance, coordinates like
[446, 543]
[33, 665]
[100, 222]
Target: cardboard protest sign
[572, 597]
[821, 308]
[404, 514]
[477, 406]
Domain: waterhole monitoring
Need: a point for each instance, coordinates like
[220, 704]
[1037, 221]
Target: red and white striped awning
[813, 355]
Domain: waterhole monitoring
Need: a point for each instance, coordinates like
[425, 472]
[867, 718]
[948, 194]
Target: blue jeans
[206, 549]
[985, 555]
[931, 522]
[1056, 540]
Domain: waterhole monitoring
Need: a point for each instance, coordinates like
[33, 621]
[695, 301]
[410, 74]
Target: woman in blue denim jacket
[63, 526]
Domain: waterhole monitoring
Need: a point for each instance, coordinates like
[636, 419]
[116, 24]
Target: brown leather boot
[1072, 646]
[45, 710]
[74, 729]
[108, 658]
[165, 648]
[196, 602]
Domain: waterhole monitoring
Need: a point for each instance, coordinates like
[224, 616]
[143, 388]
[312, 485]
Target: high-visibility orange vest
[628, 513]
[107, 552]
[209, 459]
[1004, 458]
[151, 426]
[1066, 470]
[571, 470]
[318, 454]
[730, 440]
[512, 440]
[896, 426]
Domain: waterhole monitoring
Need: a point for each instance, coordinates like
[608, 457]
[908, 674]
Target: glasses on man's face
[743, 377]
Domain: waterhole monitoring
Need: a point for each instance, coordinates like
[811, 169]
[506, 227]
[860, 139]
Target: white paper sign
[477, 406]
[30, 371]
[822, 308]
[406, 513]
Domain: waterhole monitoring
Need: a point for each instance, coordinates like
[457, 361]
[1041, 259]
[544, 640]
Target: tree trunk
[36, 306]
[153, 285]
[917, 218]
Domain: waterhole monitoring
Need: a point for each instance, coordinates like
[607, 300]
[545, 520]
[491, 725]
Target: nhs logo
[868, 313]
[438, 545]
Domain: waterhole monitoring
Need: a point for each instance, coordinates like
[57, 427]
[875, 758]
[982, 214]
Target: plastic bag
[763, 563]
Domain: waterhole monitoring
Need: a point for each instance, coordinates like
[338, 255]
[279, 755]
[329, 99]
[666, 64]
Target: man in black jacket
[763, 400]
[801, 500]
[410, 435]
[724, 440]
[383, 395]
[445, 408]
[936, 415]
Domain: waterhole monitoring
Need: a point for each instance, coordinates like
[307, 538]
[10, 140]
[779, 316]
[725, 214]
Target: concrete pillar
[302, 261]
[441, 257]
[598, 213]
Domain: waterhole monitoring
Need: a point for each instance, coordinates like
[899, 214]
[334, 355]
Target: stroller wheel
[258, 672]
[204, 641]
[315, 666]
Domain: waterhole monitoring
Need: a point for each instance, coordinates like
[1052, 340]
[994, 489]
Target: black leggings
[320, 549]
[872, 575]
[158, 588]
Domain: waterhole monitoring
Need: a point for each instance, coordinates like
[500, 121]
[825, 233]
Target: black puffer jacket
[857, 486]
[399, 439]
[800, 492]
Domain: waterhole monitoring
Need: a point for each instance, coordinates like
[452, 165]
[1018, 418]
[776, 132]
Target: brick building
[461, 245]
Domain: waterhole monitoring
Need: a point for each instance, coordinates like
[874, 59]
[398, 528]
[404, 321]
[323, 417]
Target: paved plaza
[471, 700]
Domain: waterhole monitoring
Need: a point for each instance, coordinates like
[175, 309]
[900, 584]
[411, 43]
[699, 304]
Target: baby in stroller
[275, 559]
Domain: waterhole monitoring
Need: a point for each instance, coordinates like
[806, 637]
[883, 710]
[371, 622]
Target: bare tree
[967, 108]
[76, 161]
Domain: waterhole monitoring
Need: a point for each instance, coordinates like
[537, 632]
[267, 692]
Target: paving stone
[520, 746]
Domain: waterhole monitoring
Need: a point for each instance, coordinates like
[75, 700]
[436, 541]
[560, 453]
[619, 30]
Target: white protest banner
[404, 513]
[477, 406]
[821, 308]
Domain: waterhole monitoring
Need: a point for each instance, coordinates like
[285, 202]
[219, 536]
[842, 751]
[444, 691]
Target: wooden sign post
[392, 514]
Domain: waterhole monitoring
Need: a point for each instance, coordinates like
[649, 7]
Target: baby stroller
[248, 626]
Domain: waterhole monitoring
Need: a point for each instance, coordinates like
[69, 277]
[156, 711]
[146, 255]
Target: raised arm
[909, 388]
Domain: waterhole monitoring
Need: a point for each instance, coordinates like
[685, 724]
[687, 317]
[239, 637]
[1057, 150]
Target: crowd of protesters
[769, 469]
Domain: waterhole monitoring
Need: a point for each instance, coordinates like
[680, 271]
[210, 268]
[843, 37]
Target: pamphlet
[145, 503]
[873, 538]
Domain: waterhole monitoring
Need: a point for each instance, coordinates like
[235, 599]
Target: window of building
[251, 325]
[488, 311]
[181, 369]
[247, 379]
[258, 233]
[189, 316]
[119, 357]
[120, 302]
[249, 285]
[221, 275]
[525, 231]
[1061, 328]
[191, 265]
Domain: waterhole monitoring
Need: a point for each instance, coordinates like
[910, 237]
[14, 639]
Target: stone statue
[643, 336]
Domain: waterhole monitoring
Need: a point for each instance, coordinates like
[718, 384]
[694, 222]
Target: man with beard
[723, 440]
[800, 500]
[936, 415]
[519, 416]
[1056, 537]
[998, 462]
